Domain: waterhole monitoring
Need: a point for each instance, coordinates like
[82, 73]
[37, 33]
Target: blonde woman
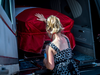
[59, 54]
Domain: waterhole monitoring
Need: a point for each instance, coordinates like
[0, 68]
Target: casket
[32, 33]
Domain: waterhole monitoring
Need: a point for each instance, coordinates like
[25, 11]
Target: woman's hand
[40, 17]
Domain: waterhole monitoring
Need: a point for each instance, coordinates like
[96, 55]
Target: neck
[57, 36]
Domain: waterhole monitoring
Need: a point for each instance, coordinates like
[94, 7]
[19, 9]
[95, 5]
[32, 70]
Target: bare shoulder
[48, 48]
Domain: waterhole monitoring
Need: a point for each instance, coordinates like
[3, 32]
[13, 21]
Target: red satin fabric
[32, 33]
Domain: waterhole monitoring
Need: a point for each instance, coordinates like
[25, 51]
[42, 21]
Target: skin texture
[58, 39]
[40, 17]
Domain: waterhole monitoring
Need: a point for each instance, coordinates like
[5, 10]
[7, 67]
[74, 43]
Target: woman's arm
[49, 61]
[40, 17]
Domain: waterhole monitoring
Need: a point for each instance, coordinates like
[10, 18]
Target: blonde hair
[53, 24]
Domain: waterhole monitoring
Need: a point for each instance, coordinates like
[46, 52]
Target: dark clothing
[64, 63]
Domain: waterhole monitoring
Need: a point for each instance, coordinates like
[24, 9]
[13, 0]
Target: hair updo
[53, 24]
